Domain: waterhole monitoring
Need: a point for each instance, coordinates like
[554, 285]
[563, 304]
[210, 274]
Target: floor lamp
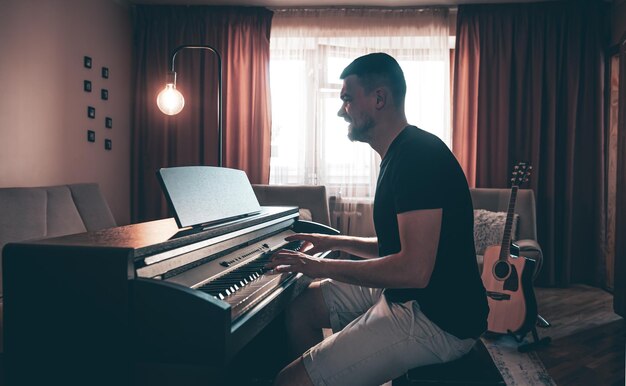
[171, 101]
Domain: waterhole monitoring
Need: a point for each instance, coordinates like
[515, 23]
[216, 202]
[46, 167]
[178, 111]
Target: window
[309, 140]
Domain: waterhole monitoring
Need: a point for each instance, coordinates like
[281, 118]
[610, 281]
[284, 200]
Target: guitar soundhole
[501, 270]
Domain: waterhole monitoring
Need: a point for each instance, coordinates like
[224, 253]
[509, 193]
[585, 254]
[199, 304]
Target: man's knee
[294, 374]
[309, 309]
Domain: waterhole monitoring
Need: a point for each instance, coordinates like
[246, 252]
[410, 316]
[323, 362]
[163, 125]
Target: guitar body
[508, 282]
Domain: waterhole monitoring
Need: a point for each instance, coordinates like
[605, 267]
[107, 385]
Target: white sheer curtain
[308, 50]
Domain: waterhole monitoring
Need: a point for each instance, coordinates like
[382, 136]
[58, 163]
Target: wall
[43, 108]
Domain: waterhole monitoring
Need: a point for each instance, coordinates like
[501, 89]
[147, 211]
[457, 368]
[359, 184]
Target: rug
[517, 369]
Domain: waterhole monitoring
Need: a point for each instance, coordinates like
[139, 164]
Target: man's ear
[381, 97]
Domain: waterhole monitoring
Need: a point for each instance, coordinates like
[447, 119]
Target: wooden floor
[588, 339]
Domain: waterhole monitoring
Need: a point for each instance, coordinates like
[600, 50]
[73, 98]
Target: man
[416, 297]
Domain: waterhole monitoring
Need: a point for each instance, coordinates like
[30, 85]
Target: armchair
[311, 199]
[497, 200]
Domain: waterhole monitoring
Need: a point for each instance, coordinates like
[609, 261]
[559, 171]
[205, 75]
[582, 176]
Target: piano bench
[475, 368]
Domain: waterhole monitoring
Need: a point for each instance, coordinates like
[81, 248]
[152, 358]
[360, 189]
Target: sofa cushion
[305, 214]
[63, 217]
[92, 206]
[22, 214]
[489, 227]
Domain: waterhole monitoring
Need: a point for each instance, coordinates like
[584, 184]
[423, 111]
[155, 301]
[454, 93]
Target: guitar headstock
[521, 172]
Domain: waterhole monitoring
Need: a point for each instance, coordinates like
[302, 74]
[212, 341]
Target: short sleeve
[417, 181]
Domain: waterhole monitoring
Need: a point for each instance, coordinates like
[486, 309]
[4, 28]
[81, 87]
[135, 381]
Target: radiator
[353, 217]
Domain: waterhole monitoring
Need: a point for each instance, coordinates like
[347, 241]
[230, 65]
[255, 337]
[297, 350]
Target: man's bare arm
[409, 268]
[363, 247]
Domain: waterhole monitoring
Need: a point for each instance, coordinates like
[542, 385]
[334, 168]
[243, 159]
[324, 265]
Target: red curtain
[241, 36]
[619, 304]
[529, 86]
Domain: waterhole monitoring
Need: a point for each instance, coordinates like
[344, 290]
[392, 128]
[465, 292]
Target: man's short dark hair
[378, 69]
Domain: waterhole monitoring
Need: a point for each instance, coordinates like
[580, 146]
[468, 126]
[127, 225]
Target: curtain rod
[346, 8]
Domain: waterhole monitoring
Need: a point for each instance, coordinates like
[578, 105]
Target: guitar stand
[535, 344]
[542, 322]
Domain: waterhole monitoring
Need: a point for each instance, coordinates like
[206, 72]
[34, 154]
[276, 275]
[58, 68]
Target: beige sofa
[40, 212]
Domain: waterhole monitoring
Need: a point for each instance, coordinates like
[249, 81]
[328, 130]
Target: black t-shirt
[420, 172]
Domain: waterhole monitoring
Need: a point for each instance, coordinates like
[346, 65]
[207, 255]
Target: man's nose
[341, 112]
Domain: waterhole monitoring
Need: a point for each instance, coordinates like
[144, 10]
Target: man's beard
[361, 133]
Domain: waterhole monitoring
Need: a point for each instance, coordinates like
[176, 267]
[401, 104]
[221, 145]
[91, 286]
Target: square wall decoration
[91, 112]
[108, 122]
[108, 144]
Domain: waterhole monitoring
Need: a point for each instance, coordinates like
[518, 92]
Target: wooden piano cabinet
[66, 315]
[76, 313]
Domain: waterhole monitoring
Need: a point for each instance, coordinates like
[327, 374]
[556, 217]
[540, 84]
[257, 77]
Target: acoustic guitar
[507, 277]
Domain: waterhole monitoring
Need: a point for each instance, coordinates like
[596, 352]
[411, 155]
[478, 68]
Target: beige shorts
[375, 341]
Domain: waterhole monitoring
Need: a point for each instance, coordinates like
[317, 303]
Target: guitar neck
[506, 235]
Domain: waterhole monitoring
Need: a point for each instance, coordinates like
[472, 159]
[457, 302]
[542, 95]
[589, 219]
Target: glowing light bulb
[170, 100]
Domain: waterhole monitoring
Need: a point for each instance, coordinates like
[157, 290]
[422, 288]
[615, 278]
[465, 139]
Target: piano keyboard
[243, 287]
